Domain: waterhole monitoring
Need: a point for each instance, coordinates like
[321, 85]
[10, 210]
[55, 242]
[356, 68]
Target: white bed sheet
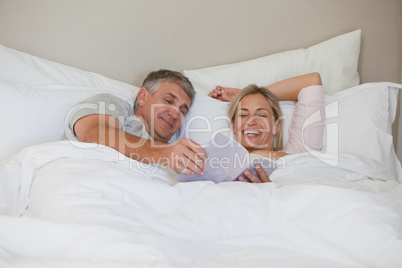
[89, 206]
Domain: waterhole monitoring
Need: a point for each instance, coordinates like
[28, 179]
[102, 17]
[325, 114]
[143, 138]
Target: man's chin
[162, 137]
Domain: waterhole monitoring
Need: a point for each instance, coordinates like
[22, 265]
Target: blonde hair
[270, 97]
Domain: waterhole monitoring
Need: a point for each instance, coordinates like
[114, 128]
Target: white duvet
[75, 205]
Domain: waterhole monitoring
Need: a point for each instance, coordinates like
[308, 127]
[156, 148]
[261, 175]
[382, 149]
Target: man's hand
[184, 156]
[248, 176]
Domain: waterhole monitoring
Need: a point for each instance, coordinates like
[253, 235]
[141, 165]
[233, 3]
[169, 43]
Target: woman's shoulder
[271, 155]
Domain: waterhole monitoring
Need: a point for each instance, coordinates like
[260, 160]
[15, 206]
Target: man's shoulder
[105, 97]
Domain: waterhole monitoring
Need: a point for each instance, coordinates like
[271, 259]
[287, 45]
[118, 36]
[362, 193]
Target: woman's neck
[273, 155]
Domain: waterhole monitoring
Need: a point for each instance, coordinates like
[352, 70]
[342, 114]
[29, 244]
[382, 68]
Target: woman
[256, 118]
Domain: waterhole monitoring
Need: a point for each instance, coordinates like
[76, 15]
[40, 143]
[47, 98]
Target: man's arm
[185, 156]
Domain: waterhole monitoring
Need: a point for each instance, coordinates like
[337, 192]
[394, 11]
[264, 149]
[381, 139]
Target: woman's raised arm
[287, 89]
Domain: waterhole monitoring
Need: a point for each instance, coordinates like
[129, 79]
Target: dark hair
[155, 78]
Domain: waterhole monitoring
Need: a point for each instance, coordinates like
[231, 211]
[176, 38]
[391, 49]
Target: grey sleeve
[99, 104]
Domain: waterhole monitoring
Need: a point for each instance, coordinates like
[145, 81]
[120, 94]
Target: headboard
[125, 40]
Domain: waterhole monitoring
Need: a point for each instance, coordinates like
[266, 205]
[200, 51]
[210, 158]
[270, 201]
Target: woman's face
[254, 123]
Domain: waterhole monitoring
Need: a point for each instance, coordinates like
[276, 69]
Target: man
[142, 133]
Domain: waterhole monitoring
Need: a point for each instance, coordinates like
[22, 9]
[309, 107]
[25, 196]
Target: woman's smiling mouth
[251, 133]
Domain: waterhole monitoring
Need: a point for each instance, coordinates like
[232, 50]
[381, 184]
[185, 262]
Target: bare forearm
[184, 156]
[289, 89]
[129, 145]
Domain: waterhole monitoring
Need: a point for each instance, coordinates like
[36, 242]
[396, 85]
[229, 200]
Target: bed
[72, 204]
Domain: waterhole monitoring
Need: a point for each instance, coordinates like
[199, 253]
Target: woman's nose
[251, 121]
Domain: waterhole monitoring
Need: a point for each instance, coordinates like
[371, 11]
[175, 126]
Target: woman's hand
[248, 176]
[224, 93]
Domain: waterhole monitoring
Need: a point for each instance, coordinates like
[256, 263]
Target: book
[226, 161]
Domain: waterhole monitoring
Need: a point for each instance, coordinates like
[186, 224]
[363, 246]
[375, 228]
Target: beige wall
[126, 39]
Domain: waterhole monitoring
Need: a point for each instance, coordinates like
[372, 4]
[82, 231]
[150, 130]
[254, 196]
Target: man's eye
[168, 101]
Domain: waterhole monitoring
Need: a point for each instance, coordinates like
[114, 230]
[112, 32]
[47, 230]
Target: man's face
[163, 112]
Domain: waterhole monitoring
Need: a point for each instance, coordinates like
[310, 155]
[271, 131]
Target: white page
[226, 160]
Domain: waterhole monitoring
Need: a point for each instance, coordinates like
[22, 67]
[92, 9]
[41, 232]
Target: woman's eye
[262, 115]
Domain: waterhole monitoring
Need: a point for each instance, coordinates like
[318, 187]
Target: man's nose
[174, 112]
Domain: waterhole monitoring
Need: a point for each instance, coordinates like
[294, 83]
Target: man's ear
[142, 96]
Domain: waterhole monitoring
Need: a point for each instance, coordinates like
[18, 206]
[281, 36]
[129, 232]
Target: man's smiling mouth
[167, 122]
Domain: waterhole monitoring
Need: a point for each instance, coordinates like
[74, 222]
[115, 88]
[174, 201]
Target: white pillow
[359, 121]
[335, 59]
[33, 114]
[31, 70]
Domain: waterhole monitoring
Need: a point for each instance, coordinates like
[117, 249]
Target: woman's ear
[277, 127]
[142, 96]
